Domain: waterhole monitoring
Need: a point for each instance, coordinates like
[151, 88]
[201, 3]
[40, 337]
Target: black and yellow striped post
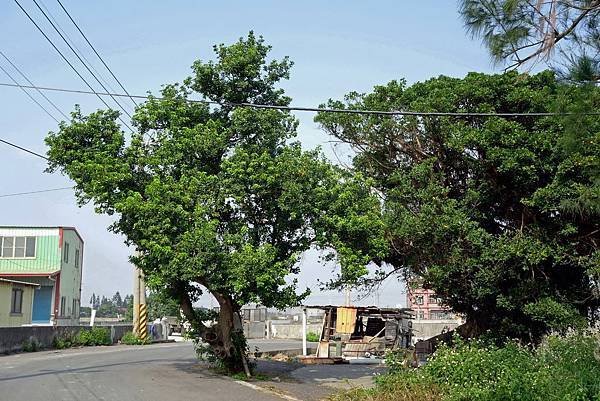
[143, 323]
[140, 310]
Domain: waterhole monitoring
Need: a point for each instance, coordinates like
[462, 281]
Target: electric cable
[96, 52]
[24, 149]
[67, 61]
[35, 192]
[79, 57]
[29, 95]
[32, 84]
[319, 109]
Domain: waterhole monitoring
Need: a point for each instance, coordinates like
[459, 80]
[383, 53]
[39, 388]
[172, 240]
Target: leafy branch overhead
[498, 215]
[524, 32]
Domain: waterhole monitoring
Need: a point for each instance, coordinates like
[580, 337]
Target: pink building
[426, 306]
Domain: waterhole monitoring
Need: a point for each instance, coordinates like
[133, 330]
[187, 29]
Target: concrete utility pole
[304, 348]
[140, 311]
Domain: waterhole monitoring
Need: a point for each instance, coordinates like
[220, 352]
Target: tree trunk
[226, 337]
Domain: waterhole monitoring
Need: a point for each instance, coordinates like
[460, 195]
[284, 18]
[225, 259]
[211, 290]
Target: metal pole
[304, 351]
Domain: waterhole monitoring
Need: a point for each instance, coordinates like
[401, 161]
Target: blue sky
[337, 46]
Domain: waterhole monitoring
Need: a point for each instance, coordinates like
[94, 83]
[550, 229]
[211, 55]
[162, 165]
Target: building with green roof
[52, 258]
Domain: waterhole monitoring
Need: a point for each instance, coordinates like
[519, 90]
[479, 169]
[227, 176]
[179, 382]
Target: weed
[131, 339]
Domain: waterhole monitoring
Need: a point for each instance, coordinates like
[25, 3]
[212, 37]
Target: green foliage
[160, 304]
[499, 216]
[131, 339]
[205, 352]
[399, 360]
[561, 368]
[62, 342]
[312, 337]
[85, 311]
[561, 33]
[215, 199]
[116, 306]
[31, 345]
[107, 309]
[92, 337]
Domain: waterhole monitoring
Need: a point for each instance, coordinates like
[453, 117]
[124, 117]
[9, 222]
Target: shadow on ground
[314, 382]
[291, 378]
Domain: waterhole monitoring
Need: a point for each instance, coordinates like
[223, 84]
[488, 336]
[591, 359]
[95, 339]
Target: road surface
[120, 373]
[166, 372]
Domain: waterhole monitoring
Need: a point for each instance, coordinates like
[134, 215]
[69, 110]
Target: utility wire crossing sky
[313, 109]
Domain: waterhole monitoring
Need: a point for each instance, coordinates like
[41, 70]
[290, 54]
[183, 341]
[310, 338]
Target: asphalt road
[123, 373]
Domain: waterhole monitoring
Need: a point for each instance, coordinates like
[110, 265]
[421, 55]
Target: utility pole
[140, 311]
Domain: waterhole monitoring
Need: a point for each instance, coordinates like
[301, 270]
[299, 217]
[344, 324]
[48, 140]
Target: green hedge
[131, 339]
[94, 336]
[561, 368]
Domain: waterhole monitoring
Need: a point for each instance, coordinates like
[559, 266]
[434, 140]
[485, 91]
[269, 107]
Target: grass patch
[255, 377]
[240, 375]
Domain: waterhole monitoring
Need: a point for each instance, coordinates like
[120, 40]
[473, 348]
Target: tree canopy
[215, 198]
[522, 32]
[487, 211]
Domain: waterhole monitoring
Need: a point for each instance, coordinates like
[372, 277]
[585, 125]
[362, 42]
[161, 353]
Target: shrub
[62, 342]
[31, 345]
[400, 359]
[94, 336]
[312, 337]
[561, 368]
[131, 339]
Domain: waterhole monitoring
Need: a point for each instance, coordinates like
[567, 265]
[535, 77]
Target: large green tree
[498, 215]
[564, 34]
[214, 197]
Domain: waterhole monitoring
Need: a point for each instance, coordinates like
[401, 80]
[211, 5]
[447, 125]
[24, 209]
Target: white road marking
[267, 391]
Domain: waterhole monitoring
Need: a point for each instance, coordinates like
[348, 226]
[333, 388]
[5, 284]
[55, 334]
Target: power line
[79, 57]
[96, 52]
[29, 95]
[32, 84]
[67, 60]
[35, 192]
[316, 109]
[23, 149]
[81, 53]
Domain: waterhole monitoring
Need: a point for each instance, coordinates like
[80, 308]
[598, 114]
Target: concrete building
[16, 302]
[426, 306]
[52, 259]
[431, 317]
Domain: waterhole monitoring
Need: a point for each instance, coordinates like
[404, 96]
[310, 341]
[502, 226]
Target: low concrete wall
[424, 329]
[255, 329]
[13, 338]
[117, 331]
[293, 331]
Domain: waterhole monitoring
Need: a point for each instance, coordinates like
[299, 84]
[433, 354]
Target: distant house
[431, 316]
[426, 306]
[50, 258]
[16, 301]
